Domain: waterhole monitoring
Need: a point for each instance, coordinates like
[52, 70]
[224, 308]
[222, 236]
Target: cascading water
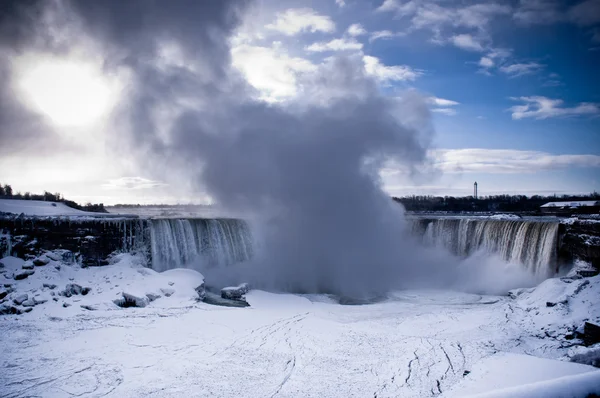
[532, 244]
[199, 243]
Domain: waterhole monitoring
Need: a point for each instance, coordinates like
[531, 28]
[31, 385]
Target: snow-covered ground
[46, 209]
[414, 344]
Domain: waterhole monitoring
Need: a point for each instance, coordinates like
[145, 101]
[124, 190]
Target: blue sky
[521, 75]
[513, 89]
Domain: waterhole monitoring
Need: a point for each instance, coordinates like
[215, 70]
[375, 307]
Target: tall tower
[475, 190]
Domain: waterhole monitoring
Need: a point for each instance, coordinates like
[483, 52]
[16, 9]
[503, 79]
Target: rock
[27, 265]
[129, 300]
[215, 299]
[73, 289]
[65, 305]
[39, 301]
[54, 298]
[23, 274]
[3, 293]
[50, 286]
[29, 303]
[7, 309]
[89, 307]
[41, 261]
[168, 292]
[57, 267]
[550, 304]
[152, 296]
[201, 290]
[235, 292]
[591, 334]
[20, 299]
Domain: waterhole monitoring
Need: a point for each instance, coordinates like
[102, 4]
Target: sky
[511, 88]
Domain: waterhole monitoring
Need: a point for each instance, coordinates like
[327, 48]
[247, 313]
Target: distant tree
[8, 191]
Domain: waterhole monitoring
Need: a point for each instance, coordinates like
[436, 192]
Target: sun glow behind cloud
[69, 92]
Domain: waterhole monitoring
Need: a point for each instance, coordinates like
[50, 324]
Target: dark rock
[73, 289]
[23, 274]
[587, 273]
[41, 261]
[7, 309]
[235, 292]
[591, 334]
[466, 372]
[3, 293]
[65, 305]
[50, 286]
[20, 299]
[550, 304]
[201, 290]
[215, 299]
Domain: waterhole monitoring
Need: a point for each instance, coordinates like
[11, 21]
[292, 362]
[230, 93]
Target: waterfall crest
[532, 244]
[199, 243]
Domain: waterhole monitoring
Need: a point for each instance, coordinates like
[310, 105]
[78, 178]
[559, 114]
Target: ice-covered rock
[235, 292]
[7, 309]
[20, 275]
[27, 265]
[20, 299]
[201, 290]
[11, 262]
[168, 292]
[132, 300]
[30, 302]
[73, 289]
[41, 261]
[50, 286]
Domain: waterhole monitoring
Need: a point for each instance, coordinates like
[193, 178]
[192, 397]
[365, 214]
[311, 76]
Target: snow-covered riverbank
[414, 344]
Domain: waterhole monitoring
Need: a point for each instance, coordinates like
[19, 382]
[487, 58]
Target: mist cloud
[306, 172]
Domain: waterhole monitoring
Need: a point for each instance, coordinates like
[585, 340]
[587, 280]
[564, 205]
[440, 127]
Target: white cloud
[486, 62]
[445, 111]
[516, 70]
[340, 3]
[132, 183]
[543, 108]
[335, 45]
[356, 29]
[270, 70]
[466, 42]
[441, 102]
[382, 34]
[428, 14]
[298, 20]
[478, 160]
[386, 74]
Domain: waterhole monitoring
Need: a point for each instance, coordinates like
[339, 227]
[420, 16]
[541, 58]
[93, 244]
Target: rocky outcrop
[580, 239]
[90, 240]
[235, 292]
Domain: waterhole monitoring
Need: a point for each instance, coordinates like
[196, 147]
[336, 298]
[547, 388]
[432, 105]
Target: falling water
[529, 243]
[199, 243]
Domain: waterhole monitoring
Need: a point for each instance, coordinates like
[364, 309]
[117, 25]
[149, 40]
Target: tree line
[493, 203]
[6, 192]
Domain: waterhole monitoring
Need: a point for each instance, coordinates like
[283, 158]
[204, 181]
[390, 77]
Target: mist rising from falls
[530, 244]
[199, 243]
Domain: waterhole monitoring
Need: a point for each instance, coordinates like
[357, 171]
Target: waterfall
[199, 243]
[532, 244]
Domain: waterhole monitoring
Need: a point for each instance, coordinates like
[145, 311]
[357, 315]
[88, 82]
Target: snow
[580, 203]
[505, 217]
[44, 209]
[411, 344]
